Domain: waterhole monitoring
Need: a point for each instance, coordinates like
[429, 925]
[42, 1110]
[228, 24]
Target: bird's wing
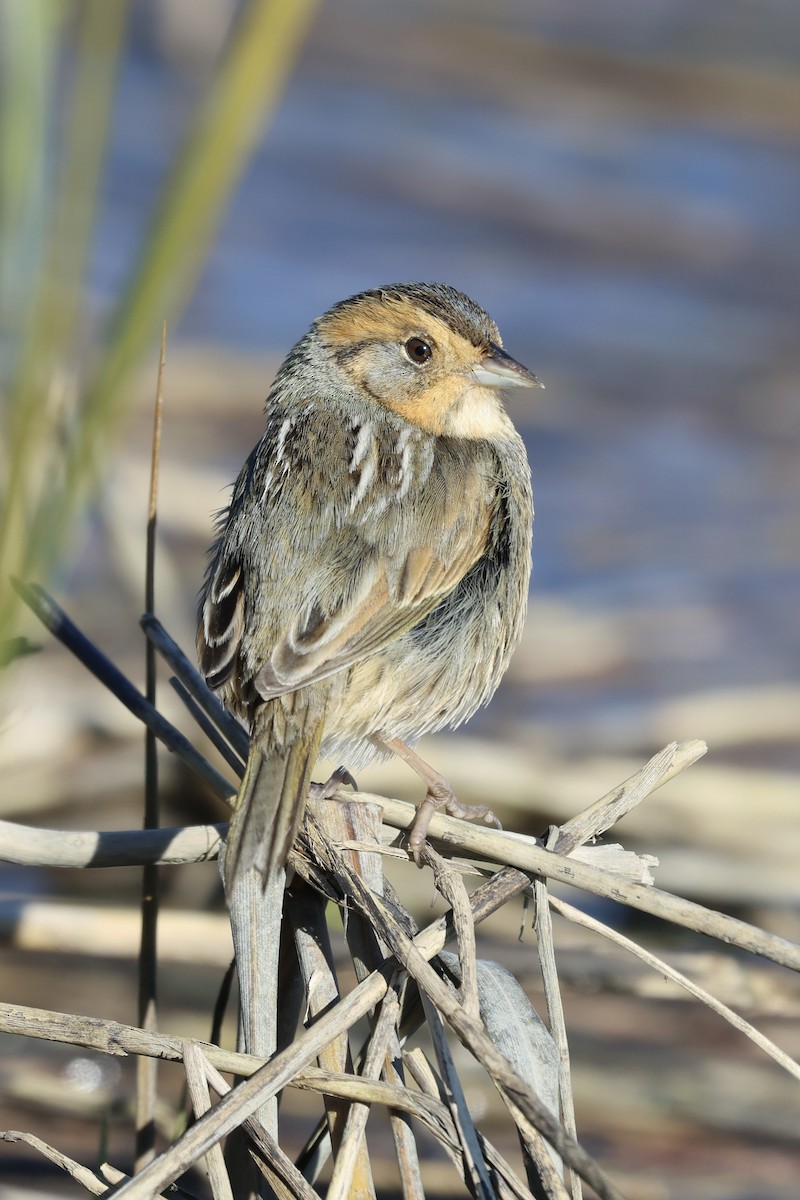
[332, 594]
[392, 597]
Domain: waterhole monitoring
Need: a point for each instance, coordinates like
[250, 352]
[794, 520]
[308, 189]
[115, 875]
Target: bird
[369, 578]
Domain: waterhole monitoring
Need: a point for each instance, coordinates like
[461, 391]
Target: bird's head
[426, 352]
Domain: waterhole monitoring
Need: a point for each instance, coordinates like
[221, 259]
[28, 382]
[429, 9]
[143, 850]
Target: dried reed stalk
[403, 983]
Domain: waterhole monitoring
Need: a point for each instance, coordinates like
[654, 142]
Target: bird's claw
[328, 789]
[436, 801]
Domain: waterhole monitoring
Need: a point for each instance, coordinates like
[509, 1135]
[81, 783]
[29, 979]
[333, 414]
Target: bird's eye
[418, 350]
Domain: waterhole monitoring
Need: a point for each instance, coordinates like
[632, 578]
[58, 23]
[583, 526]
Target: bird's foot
[441, 796]
[324, 791]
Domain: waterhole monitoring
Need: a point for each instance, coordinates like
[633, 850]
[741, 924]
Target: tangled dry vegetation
[386, 1042]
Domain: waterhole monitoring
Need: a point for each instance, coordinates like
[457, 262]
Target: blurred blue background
[621, 190]
[619, 185]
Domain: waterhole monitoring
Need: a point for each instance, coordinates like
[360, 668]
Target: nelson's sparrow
[370, 577]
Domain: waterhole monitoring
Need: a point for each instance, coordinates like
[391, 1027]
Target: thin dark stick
[56, 620]
[221, 1004]
[147, 1069]
[196, 686]
[208, 728]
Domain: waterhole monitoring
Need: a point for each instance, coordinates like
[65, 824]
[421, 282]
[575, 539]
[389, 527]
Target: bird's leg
[324, 791]
[439, 794]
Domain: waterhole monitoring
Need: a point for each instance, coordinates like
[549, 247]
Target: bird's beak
[498, 370]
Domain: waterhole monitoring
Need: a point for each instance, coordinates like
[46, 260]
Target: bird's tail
[272, 798]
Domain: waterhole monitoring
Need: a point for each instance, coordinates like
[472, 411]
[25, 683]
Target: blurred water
[624, 197]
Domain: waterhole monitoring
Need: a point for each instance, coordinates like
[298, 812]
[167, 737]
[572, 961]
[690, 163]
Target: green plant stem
[48, 325]
[251, 77]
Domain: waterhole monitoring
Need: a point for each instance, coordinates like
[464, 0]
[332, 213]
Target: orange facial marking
[446, 400]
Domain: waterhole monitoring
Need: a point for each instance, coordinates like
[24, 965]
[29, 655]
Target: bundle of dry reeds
[387, 1040]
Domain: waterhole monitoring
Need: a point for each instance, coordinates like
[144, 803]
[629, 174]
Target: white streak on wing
[229, 635]
[364, 458]
[367, 475]
[221, 593]
[207, 610]
[283, 433]
[280, 445]
[361, 448]
[406, 471]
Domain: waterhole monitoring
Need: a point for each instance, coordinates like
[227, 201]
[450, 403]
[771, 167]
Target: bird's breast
[443, 669]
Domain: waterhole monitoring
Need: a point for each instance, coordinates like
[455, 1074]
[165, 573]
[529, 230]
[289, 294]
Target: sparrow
[369, 580]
